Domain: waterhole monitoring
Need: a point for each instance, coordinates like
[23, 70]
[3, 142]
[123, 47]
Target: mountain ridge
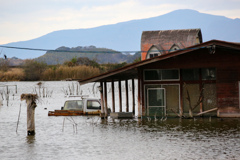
[126, 36]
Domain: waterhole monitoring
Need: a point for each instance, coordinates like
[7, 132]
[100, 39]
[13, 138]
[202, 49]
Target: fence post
[31, 105]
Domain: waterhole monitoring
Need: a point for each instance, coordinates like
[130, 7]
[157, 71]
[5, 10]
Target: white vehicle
[76, 107]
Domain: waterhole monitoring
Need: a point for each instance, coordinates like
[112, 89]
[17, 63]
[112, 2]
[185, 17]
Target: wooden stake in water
[31, 105]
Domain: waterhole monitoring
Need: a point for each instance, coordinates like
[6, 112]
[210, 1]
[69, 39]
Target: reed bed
[13, 74]
[65, 72]
[54, 73]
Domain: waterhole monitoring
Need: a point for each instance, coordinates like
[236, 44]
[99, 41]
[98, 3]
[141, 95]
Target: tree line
[74, 69]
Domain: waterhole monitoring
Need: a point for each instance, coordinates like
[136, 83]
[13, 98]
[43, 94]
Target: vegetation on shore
[75, 69]
[101, 55]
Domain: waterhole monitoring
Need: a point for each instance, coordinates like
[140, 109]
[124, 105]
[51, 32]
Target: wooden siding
[227, 76]
[227, 87]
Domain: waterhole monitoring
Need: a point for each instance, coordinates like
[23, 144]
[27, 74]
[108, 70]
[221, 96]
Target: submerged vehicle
[83, 106]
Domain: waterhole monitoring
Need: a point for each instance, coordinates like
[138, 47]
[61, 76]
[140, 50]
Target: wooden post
[120, 95]
[139, 94]
[181, 100]
[201, 103]
[133, 97]
[126, 87]
[31, 105]
[102, 101]
[105, 99]
[113, 97]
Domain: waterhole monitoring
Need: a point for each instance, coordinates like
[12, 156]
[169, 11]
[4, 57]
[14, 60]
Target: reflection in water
[94, 138]
[30, 139]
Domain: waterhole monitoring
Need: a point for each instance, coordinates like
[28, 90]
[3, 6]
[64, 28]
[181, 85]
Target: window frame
[164, 98]
[92, 106]
[161, 78]
[153, 51]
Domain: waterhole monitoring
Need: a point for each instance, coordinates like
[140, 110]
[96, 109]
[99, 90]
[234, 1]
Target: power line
[89, 51]
[51, 50]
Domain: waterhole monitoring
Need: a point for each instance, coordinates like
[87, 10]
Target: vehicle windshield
[73, 105]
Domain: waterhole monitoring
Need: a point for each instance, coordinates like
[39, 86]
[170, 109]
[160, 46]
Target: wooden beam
[105, 99]
[133, 97]
[139, 94]
[102, 100]
[120, 95]
[127, 103]
[181, 95]
[210, 110]
[113, 97]
[201, 87]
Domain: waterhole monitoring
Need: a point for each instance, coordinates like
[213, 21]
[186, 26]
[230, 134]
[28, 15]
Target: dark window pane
[93, 105]
[190, 74]
[208, 73]
[152, 75]
[170, 74]
[151, 55]
[155, 97]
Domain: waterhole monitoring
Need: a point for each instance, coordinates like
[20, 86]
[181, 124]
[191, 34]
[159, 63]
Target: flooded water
[89, 137]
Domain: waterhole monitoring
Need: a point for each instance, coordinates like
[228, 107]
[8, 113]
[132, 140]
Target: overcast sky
[22, 20]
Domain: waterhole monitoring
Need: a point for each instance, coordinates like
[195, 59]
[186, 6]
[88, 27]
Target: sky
[22, 20]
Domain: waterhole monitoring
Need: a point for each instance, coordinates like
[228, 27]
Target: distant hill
[101, 55]
[14, 61]
[126, 36]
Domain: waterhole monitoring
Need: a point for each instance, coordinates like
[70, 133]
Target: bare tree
[200, 100]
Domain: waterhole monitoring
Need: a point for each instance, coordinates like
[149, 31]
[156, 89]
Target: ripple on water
[94, 138]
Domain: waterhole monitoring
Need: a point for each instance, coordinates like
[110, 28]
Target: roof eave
[103, 76]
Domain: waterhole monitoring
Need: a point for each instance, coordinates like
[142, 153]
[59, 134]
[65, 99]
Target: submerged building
[179, 75]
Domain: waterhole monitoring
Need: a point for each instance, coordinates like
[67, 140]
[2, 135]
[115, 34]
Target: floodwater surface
[89, 137]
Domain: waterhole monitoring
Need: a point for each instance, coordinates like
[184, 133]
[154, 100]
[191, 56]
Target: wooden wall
[227, 87]
[226, 62]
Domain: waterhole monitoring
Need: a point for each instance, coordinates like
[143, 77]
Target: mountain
[100, 55]
[126, 36]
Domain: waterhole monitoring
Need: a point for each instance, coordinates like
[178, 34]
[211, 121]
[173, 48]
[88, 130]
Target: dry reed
[64, 72]
[13, 74]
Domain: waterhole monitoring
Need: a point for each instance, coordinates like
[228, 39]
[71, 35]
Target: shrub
[34, 69]
[4, 65]
[75, 72]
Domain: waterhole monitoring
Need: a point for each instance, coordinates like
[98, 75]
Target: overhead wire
[88, 51]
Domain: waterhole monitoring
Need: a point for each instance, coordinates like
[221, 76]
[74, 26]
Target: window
[153, 52]
[151, 55]
[174, 48]
[156, 97]
[190, 74]
[209, 74]
[91, 104]
[152, 74]
[161, 74]
[73, 105]
[170, 74]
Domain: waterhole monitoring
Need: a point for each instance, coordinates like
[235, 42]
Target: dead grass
[13, 74]
[60, 73]
[64, 72]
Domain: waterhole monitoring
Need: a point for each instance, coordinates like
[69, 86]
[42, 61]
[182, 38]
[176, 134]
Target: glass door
[155, 101]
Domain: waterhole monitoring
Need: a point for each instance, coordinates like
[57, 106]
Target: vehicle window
[73, 105]
[91, 104]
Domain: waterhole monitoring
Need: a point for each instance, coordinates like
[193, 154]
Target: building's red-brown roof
[165, 39]
[131, 71]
